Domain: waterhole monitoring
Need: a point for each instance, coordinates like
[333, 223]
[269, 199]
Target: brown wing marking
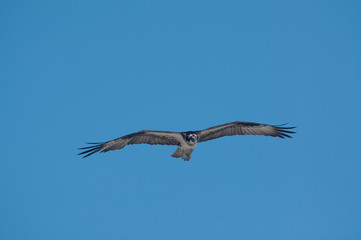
[146, 137]
[244, 128]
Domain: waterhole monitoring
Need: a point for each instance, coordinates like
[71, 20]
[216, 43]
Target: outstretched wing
[147, 137]
[244, 128]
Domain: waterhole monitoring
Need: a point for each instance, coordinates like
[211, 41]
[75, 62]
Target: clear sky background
[87, 71]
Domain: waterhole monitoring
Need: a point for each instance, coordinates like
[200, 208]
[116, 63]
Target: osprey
[187, 141]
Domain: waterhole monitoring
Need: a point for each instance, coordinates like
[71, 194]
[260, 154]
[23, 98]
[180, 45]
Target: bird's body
[187, 145]
[187, 141]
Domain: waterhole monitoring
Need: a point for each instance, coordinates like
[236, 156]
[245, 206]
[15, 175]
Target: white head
[192, 137]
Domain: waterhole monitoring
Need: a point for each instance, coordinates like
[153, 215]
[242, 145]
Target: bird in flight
[187, 141]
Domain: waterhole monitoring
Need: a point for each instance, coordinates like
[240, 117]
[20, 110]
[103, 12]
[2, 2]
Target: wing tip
[96, 147]
[284, 132]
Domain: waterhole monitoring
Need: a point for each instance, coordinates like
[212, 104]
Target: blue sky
[88, 71]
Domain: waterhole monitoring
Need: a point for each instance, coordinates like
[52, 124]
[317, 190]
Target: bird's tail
[179, 153]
